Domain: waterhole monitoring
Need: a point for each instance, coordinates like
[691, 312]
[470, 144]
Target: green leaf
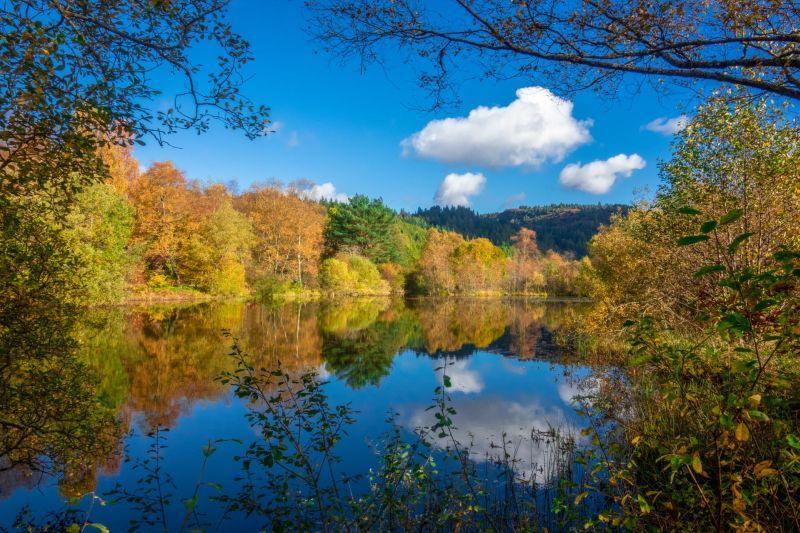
[99, 527]
[708, 270]
[709, 226]
[643, 505]
[697, 464]
[758, 415]
[735, 321]
[446, 381]
[732, 247]
[686, 210]
[793, 441]
[190, 504]
[765, 304]
[731, 216]
[580, 497]
[691, 239]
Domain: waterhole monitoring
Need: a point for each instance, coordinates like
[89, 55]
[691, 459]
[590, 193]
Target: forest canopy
[157, 234]
[564, 228]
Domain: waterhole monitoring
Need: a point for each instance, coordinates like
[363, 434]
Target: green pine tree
[362, 226]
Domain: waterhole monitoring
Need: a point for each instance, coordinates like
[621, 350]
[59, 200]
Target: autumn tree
[76, 75]
[288, 234]
[560, 274]
[218, 252]
[736, 164]
[410, 234]
[78, 78]
[478, 265]
[577, 45]
[524, 269]
[435, 271]
[349, 274]
[98, 230]
[123, 167]
[362, 226]
[449, 264]
[167, 216]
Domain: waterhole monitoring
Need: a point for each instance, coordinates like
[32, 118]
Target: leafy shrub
[705, 433]
[353, 275]
[159, 281]
[227, 280]
[394, 276]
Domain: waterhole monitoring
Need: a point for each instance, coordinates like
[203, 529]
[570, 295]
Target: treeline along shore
[156, 235]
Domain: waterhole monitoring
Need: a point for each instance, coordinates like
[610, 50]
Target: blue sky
[339, 125]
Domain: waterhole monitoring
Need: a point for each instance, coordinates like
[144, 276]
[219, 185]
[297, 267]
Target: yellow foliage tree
[288, 234]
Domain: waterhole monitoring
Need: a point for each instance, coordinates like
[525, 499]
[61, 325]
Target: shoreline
[314, 296]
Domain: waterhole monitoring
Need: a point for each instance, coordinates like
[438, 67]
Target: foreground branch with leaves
[705, 435]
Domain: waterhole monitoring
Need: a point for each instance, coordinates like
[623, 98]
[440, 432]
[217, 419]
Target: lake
[157, 369]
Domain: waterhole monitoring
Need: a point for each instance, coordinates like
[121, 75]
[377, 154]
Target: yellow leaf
[767, 472]
[579, 498]
[762, 465]
[697, 465]
[635, 440]
[763, 469]
[755, 400]
[741, 432]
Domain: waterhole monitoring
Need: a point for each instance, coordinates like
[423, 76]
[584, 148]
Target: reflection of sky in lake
[500, 399]
[492, 394]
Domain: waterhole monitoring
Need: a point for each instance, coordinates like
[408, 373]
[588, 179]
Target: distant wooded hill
[565, 228]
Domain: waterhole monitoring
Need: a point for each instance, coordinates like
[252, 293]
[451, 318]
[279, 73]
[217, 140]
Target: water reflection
[514, 414]
[156, 367]
[52, 420]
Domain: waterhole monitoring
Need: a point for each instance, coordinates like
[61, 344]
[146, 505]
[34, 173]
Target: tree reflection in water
[53, 419]
[67, 406]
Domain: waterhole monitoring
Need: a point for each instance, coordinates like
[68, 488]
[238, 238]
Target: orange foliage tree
[288, 234]
[167, 215]
[524, 265]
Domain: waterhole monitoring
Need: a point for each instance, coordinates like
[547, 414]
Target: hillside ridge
[565, 228]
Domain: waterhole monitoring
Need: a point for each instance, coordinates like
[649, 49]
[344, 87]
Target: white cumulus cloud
[598, 176]
[324, 191]
[536, 127]
[667, 126]
[456, 189]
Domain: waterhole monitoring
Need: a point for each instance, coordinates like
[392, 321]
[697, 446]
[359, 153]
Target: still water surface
[157, 368]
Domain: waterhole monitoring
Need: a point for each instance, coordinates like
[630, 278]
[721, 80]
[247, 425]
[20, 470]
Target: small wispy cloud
[514, 200]
[294, 140]
[667, 126]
